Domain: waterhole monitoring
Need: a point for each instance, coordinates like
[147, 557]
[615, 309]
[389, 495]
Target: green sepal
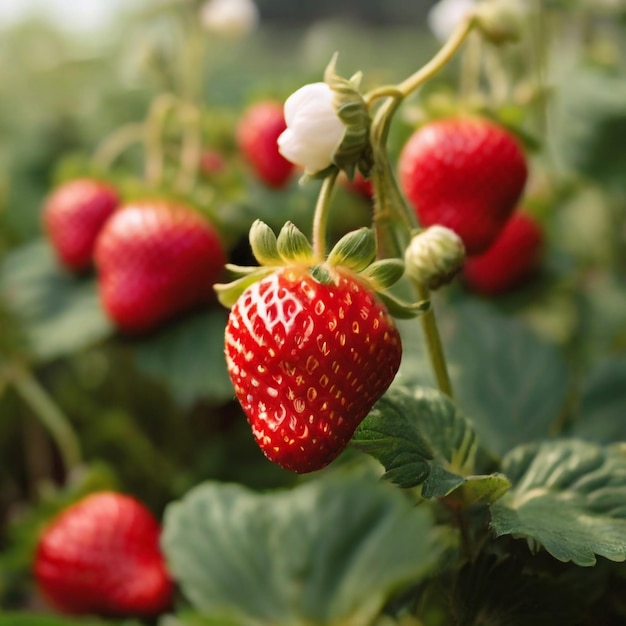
[228, 293]
[264, 244]
[293, 246]
[401, 309]
[384, 273]
[241, 270]
[354, 148]
[321, 274]
[355, 251]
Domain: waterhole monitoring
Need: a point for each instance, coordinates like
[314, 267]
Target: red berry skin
[511, 260]
[156, 259]
[308, 361]
[101, 556]
[257, 138]
[466, 174]
[73, 215]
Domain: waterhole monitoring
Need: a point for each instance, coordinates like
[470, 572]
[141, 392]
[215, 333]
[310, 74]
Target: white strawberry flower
[314, 129]
[446, 15]
[232, 18]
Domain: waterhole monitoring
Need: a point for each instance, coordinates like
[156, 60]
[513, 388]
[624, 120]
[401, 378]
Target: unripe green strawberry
[466, 174]
[156, 259]
[308, 360]
[511, 260]
[101, 556]
[73, 215]
[257, 135]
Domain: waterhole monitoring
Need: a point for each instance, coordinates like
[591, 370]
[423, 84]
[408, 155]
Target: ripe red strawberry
[308, 360]
[257, 134]
[101, 556]
[73, 215]
[466, 174]
[156, 259]
[514, 256]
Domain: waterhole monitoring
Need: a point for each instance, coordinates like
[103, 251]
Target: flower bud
[327, 124]
[232, 18]
[500, 21]
[434, 256]
[446, 15]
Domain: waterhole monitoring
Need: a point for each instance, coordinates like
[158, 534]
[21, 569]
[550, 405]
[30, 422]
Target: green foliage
[188, 357]
[330, 551]
[568, 496]
[58, 312]
[601, 414]
[511, 382]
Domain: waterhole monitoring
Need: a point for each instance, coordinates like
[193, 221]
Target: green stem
[116, 144]
[191, 150]
[320, 219]
[433, 343]
[49, 414]
[153, 136]
[383, 117]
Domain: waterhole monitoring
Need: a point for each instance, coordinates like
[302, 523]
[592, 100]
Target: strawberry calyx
[355, 253]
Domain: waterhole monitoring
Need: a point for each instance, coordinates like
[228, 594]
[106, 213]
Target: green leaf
[189, 357]
[568, 496]
[58, 312]
[601, 415]
[327, 552]
[356, 250]
[293, 246]
[590, 112]
[419, 436]
[511, 382]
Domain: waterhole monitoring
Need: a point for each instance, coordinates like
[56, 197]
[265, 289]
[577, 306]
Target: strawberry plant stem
[320, 219]
[433, 342]
[157, 117]
[50, 415]
[191, 150]
[115, 144]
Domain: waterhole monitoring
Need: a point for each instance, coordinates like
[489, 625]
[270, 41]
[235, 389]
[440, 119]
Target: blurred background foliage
[147, 418]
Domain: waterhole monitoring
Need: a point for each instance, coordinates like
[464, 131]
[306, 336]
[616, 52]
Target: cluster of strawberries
[154, 258]
[330, 348]
[468, 174]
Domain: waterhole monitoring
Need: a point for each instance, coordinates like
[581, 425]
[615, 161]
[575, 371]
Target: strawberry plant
[400, 406]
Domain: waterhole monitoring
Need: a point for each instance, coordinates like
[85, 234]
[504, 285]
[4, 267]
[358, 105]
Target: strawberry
[308, 360]
[257, 134]
[101, 556]
[73, 215]
[514, 256]
[466, 174]
[156, 259]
